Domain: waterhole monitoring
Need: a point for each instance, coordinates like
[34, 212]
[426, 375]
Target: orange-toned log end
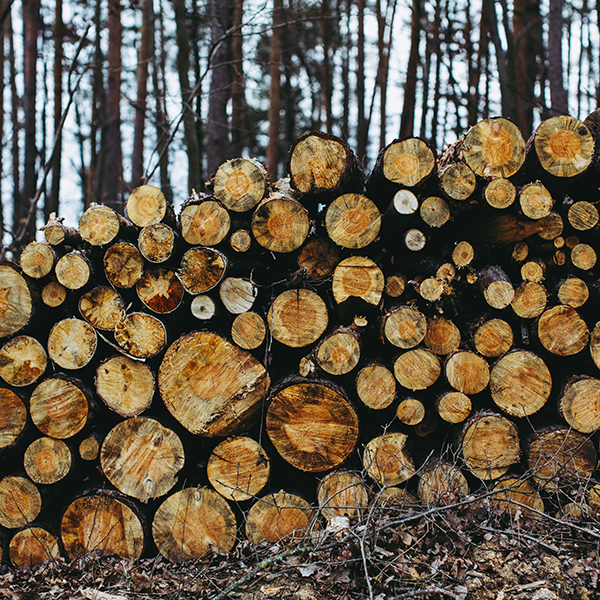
[493, 338]
[141, 458]
[376, 386]
[342, 494]
[191, 523]
[240, 184]
[417, 369]
[13, 418]
[204, 223]
[160, 290]
[338, 353]
[562, 331]
[211, 386]
[101, 524]
[442, 337]
[238, 468]
[248, 330]
[358, 277]
[441, 483]
[23, 361]
[559, 457]
[489, 445]
[54, 294]
[279, 517]
[352, 221]
[312, 426]
[146, 205]
[20, 502]
[512, 495]
[32, 547]
[453, 407]
[47, 460]
[405, 327]
[16, 302]
[201, 269]
[387, 460]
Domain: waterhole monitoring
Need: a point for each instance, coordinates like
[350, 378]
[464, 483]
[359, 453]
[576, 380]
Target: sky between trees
[100, 96]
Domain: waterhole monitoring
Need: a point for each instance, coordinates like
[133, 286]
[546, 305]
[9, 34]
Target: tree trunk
[410, 87]
[558, 94]
[238, 87]
[274, 93]
[362, 130]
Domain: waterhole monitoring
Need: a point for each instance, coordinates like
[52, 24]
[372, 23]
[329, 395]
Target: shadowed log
[318, 257]
[20, 502]
[201, 269]
[13, 418]
[16, 302]
[241, 240]
[342, 493]
[386, 459]
[89, 448]
[514, 494]
[32, 547]
[441, 483]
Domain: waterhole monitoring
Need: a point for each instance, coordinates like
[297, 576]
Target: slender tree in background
[274, 99]
[2, 48]
[238, 88]
[326, 74]
[362, 129]
[558, 94]
[410, 87]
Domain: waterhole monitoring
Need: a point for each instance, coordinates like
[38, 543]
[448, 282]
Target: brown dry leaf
[92, 594]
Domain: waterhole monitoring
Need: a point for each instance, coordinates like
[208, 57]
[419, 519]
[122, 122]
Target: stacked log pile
[281, 354]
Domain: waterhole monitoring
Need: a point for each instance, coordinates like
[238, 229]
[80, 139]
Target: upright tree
[238, 87]
[274, 96]
[362, 129]
[410, 86]
[558, 94]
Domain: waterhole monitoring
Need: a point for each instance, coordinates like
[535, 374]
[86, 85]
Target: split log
[520, 383]
[417, 369]
[279, 517]
[23, 361]
[579, 403]
[410, 411]
[453, 407]
[141, 458]
[141, 335]
[211, 386]
[47, 460]
[156, 242]
[126, 386]
[204, 221]
[358, 277]
[73, 270]
[99, 225]
[146, 205]
[513, 494]
[489, 445]
[37, 260]
[191, 523]
[32, 547]
[493, 338]
[441, 483]
[562, 331]
[240, 184]
[59, 407]
[318, 258]
[13, 418]
[160, 290]
[16, 301]
[338, 353]
[238, 294]
[376, 386]
[386, 459]
[248, 330]
[123, 265]
[312, 426]
[201, 269]
[102, 307]
[352, 221]
[238, 468]
[20, 502]
[54, 294]
[467, 372]
[101, 524]
[342, 494]
[72, 343]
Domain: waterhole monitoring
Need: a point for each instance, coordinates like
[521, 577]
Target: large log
[16, 301]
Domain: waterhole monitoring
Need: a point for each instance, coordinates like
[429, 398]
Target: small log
[279, 517]
[559, 457]
[323, 164]
[535, 200]
[494, 148]
[551, 227]
[431, 289]
[342, 494]
[203, 307]
[530, 300]
[72, 343]
[141, 335]
[73, 270]
[500, 193]
[123, 265]
[146, 205]
[32, 547]
[280, 223]
[211, 386]
[463, 254]
[428, 424]
[582, 216]
[241, 240]
[489, 445]
[376, 386]
[57, 233]
[395, 285]
[156, 242]
[141, 458]
[238, 294]
[434, 211]
[520, 383]
[403, 204]
[338, 353]
[353, 221]
[99, 225]
[515, 495]
[160, 290]
[358, 277]
[417, 369]
[37, 260]
[102, 307]
[579, 404]
[386, 459]
[453, 407]
[201, 269]
[584, 257]
[318, 258]
[493, 338]
[126, 386]
[573, 292]
[297, 318]
[16, 301]
[23, 361]
[204, 221]
[410, 411]
[240, 184]
[312, 426]
[191, 523]
[457, 181]
[20, 502]
[395, 499]
[497, 289]
[414, 240]
[54, 294]
[467, 372]
[441, 483]
[13, 418]
[248, 330]
[89, 448]
[47, 460]
[595, 345]
[562, 331]
[446, 273]
[564, 146]
[520, 252]
[59, 407]
[101, 524]
[405, 327]
[238, 468]
[533, 270]
[442, 336]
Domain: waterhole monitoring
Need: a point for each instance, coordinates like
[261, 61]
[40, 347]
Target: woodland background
[100, 96]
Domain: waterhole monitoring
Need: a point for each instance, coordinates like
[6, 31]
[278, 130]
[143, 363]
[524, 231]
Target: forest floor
[461, 552]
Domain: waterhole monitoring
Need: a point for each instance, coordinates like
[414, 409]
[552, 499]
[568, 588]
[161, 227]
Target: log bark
[23, 361]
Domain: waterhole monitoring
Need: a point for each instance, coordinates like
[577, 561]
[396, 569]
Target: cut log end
[146, 205]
